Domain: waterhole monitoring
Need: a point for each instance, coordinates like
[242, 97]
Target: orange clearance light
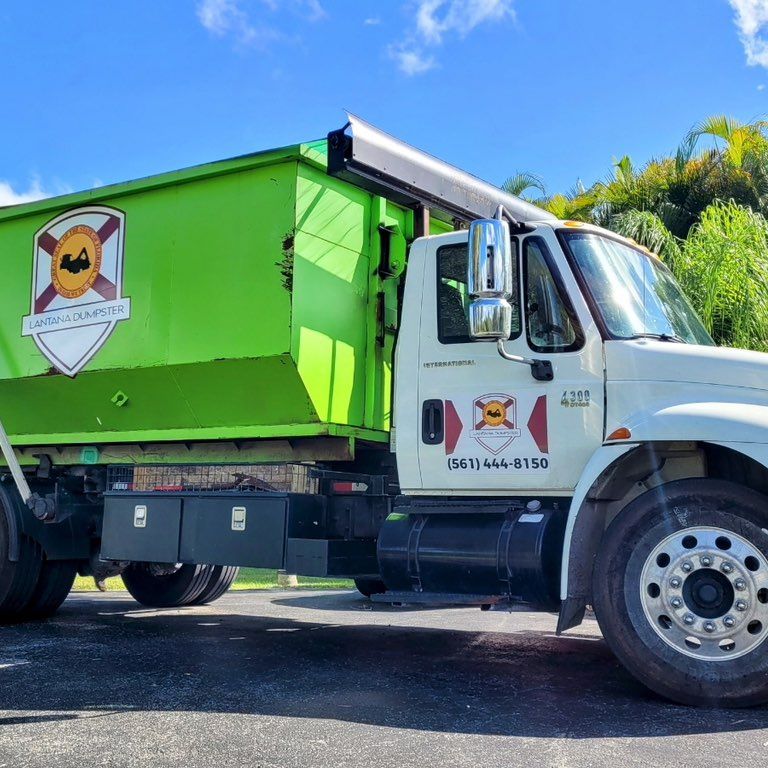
[573, 223]
[622, 433]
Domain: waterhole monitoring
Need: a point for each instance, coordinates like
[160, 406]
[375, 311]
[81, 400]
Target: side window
[453, 297]
[551, 322]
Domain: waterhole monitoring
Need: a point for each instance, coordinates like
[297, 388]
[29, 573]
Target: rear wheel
[370, 586]
[161, 585]
[53, 586]
[219, 581]
[18, 578]
[681, 592]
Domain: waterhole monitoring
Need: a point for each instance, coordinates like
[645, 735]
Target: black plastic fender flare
[65, 540]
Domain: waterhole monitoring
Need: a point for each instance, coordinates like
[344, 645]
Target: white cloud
[372, 22]
[233, 18]
[752, 23]
[411, 62]
[9, 196]
[226, 17]
[437, 20]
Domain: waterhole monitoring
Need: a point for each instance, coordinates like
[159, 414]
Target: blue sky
[95, 92]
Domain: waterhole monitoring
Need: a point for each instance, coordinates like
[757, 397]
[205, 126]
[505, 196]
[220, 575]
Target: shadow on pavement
[329, 601]
[101, 656]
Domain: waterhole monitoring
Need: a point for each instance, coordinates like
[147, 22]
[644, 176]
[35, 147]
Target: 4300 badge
[522, 464]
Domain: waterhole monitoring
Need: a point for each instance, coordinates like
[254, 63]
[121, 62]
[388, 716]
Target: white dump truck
[493, 407]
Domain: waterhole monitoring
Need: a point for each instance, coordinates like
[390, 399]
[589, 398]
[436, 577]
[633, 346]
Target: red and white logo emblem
[77, 285]
[495, 421]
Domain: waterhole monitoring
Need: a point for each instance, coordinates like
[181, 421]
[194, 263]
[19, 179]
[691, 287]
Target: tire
[17, 579]
[53, 586]
[149, 586]
[370, 586]
[219, 581]
[669, 571]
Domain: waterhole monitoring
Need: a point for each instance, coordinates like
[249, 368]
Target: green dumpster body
[257, 313]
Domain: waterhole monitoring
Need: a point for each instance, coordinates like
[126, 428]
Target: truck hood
[652, 360]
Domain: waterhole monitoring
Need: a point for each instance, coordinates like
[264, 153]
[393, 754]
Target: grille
[293, 478]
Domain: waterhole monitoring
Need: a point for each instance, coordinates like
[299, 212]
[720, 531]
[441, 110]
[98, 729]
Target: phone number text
[517, 464]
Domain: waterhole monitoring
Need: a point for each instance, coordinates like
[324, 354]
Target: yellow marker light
[622, 433]
[573, 223]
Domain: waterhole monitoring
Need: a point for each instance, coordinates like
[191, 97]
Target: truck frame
[415, 380]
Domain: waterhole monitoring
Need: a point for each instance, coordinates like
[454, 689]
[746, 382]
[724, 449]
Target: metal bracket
[13, 464]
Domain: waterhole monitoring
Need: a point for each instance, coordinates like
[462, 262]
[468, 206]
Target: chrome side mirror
[491, 284]
[490, 280]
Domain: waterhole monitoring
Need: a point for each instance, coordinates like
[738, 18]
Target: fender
[599, 462]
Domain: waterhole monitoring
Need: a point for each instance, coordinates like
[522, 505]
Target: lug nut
[709, 626]
[687, 567]
[705, 560]
[729, 621]
[689, 618]
[675, 582]
[726, 567]
[740, 584]
[740, 605]
[676, 602]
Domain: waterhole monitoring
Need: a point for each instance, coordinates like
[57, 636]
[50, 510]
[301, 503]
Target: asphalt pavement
[305, 678]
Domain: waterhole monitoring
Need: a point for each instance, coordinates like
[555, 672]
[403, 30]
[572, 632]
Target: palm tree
[677, 189]
[704, 210]
[521, 182]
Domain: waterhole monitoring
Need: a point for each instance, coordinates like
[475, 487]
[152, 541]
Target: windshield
[634, 292]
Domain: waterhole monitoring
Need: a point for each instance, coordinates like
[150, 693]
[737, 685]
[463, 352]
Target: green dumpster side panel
[330, 289]
[257, 310]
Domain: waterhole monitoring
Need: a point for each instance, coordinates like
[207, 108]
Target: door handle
[432, 422]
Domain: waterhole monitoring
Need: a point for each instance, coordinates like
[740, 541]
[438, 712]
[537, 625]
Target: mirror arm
[502, 213]
[541, 370]
[515, 226]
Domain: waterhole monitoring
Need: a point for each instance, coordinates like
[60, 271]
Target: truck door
[485, 423]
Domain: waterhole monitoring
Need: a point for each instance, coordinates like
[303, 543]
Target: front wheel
[681, 592]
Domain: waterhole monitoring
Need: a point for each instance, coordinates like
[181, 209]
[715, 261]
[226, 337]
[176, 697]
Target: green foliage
[703, 210]
[719, 159]
[723, 268]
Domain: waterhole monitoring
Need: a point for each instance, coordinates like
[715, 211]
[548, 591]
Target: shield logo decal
[77, 285]
[495, 421]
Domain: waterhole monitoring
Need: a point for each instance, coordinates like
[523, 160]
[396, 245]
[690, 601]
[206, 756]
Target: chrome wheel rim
[704, 590]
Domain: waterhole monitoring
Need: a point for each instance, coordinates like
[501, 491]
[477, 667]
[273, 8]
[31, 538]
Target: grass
[249, 578]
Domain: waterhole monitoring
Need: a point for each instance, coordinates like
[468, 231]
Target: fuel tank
[491, 548]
